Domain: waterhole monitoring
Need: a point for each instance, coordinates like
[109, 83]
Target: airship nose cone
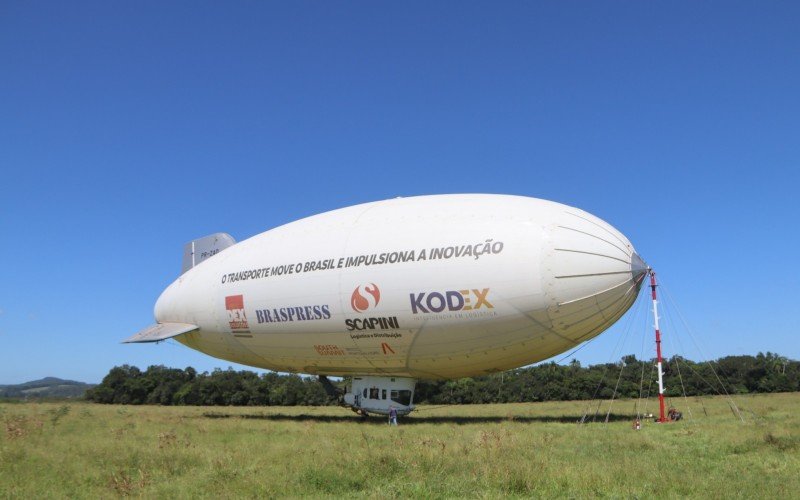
[638, 267]
[592, 275]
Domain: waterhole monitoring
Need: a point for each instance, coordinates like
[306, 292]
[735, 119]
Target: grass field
[522, 450]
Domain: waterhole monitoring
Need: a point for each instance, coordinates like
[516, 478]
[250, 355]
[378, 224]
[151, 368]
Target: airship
[390, 292]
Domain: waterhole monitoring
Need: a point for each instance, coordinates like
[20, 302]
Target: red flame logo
[360, 303]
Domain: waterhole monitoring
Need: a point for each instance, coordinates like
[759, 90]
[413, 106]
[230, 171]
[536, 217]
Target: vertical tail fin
[196, 251]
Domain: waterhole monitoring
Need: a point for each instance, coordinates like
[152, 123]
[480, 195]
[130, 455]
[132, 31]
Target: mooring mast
[661, 416]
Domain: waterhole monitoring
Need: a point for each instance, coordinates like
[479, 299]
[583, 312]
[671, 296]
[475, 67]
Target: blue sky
[127, 130]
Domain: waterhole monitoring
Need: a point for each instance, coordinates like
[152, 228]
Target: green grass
[517, 450]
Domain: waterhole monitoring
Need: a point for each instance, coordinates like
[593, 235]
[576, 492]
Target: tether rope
[620, 342]
[735, 408]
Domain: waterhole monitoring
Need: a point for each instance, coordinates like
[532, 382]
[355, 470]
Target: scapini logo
[365, 297]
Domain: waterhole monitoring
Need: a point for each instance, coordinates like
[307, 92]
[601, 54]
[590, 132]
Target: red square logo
[236, 317]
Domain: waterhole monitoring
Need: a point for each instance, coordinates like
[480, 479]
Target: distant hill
[48, 387]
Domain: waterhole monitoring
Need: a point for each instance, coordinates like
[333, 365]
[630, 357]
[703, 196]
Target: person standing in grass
[392, 415]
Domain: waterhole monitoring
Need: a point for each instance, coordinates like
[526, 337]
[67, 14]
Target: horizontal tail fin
[161, 331]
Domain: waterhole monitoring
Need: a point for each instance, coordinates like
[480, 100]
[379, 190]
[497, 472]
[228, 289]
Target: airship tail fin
[196, 251]
[160, 331]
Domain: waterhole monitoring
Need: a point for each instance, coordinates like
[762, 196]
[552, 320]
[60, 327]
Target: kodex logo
[451, 300]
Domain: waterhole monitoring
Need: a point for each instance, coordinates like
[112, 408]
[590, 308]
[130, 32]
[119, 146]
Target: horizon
[260, 372]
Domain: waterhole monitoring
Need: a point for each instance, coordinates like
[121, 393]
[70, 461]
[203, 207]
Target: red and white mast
[661, 416]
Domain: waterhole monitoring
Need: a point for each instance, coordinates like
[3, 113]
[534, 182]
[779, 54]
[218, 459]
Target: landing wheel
[361, 413]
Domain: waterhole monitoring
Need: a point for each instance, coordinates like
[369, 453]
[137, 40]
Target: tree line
[629, 378]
